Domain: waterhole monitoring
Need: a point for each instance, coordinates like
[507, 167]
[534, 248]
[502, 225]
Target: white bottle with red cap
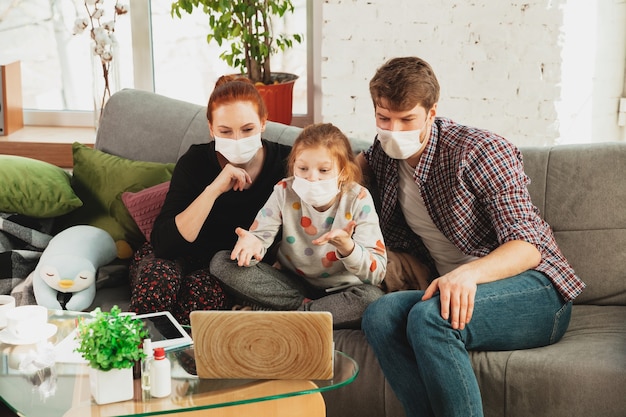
[160, 374]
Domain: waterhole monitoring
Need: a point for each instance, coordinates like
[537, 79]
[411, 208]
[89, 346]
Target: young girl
[331, 255]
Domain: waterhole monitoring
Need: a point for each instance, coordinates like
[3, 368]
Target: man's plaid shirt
[475, 189]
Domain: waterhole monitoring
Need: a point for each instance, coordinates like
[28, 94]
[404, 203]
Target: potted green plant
[248, 25]
[111, 343]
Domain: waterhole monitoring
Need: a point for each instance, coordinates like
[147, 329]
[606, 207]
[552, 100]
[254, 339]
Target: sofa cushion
[35, 188]
[586, 370]
[585, 202]
[144, 206]
[141, 125]
[99, 179]
[381, 399]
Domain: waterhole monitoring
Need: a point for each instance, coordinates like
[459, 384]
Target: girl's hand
[339, 238]
[457, 291]
[246, 248]
[231, 177]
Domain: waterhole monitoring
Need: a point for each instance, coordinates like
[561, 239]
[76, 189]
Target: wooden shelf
[49, 144]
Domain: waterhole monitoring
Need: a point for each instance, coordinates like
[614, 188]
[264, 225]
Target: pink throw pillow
[144, 206]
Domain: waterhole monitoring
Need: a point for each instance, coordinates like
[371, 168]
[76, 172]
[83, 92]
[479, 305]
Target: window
[157, 52]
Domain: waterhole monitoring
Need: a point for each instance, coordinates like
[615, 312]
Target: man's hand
[457, 291]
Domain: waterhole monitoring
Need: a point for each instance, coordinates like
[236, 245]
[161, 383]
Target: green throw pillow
[35, 188]
[99, 179]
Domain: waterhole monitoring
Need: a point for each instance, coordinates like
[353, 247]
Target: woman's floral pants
[167, 285]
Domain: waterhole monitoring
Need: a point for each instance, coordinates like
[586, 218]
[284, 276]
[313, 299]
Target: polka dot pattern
[329, 259]
[307, 225]
[365, 211]
[380, 247]
[302, 224]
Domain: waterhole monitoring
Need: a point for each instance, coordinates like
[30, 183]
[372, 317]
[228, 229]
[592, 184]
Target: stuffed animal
[69, 265]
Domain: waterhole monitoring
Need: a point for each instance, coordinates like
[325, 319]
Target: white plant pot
[111, 386]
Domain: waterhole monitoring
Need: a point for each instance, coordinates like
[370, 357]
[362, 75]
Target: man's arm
[457, 288]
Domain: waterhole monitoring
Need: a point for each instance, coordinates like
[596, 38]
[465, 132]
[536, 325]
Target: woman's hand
[190, 221]
[247, 247]
[457, 291]
[231, 177]
[339, 238]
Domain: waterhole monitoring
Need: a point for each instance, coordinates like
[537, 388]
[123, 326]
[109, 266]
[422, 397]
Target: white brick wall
[500, 64]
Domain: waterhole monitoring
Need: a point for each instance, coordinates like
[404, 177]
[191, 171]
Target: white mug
[7, 303]
[26, 322]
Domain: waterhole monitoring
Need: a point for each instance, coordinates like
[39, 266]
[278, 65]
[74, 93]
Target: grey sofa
[581, 192]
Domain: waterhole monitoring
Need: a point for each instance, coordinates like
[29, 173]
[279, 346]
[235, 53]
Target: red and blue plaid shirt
[475, 189]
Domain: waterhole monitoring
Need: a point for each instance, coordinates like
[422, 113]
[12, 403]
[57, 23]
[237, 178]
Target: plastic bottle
[160, 374]
[145, 369]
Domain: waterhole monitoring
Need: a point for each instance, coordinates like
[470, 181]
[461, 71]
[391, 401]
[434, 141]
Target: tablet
[165, 331]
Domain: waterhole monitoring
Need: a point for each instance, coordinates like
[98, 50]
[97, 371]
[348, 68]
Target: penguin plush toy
[69, 264]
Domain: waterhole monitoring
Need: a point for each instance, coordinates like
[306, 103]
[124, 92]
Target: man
[456, 195]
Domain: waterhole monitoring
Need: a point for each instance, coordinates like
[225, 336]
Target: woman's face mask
[238, 151]
[316, 193]
[401, 144]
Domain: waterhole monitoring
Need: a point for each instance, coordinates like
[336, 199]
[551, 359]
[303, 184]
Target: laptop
[263, 344]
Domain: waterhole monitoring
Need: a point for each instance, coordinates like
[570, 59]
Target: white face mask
[401, 144]
[238, 151]
[316, 193]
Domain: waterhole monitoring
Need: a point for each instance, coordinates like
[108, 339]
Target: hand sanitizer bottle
[145, 369]
[160, 375]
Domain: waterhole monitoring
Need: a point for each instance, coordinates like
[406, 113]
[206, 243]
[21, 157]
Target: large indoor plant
[248, 25]
[111, 343]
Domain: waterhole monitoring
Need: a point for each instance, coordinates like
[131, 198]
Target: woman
[215, 188]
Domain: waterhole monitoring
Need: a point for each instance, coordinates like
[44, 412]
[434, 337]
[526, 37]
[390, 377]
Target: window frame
[143, 68]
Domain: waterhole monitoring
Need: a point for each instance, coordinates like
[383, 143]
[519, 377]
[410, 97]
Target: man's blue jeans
[426, 361]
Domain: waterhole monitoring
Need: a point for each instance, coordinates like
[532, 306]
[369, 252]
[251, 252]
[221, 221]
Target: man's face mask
[401, 144]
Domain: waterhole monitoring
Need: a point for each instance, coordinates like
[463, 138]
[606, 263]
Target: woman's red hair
[232, 88]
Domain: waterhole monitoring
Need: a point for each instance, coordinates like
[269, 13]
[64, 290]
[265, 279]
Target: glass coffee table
[62, 390]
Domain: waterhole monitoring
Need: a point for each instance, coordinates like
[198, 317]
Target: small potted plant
[111, 343]
[248, 24]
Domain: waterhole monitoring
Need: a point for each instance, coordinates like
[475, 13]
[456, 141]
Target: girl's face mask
[316, 193]
[238, 151]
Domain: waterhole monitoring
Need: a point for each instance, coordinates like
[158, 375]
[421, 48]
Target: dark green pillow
[35, 188]
[99, 179]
